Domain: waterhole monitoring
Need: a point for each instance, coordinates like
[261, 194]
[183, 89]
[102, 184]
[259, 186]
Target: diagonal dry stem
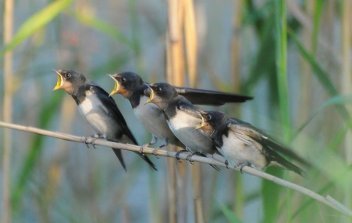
[327, 200]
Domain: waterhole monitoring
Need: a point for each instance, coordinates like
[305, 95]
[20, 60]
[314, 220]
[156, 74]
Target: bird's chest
[152, 118]
[237, 149]
[184, 126]
[96, 113]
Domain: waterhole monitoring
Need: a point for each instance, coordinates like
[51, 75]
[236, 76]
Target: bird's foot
[242, 164]
[153, 141]
[189, 157]
[95, 137]
[141, 149]
[87, 142]
[150, 144]
[155, 153]
[163, 146]
[178, 154]
[226, 164]
[93, 142]
[166, 143]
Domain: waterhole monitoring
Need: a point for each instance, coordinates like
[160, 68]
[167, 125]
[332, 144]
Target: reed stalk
[346, 81]
[238, 207]
[175, 75]
[7, 111]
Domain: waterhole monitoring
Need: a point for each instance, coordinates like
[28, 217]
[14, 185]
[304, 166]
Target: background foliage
[294, 57]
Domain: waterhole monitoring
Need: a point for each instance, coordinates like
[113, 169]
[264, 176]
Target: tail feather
[132, 140]
[285, 151]
[146, 159]
[275, 157]
[119, 156]
[288, 165]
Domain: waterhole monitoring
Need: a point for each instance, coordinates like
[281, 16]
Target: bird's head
[160, 94]
[69, 80]
[126, 83]
[213, 118]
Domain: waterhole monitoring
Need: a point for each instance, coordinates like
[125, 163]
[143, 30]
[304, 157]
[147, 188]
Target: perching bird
[183, 118]
[131, 86]
[242, 144]
[99, 109]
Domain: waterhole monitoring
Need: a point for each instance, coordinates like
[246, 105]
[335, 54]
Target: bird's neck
[221, 130]
[79, 94]
[135, 97]
[170, 110]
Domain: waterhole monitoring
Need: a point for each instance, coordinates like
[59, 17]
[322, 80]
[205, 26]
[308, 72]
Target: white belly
[184, 126]
[237, 151]
[97, 116]
[153, 119]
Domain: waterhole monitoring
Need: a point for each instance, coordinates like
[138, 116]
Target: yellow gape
[116, 88]
[60, 81]
[202, 123]
[151, 96]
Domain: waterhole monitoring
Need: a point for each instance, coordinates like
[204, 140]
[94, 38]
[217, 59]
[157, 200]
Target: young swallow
[99, 109]
[131, 86]
[242, 144]
[183, 118]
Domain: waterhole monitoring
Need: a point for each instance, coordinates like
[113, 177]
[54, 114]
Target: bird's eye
[123, 79]
[159, 89]
[209, 117]
[68, 75]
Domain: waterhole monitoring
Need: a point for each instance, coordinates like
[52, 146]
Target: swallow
[182, 117]
[131, 86]
[242, 144]
[99, 109]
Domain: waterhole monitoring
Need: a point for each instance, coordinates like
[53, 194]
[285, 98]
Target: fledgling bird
[242, 144]
[131, 86]
[99, 109]
[183, 118]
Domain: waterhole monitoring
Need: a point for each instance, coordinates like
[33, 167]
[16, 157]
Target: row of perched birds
[169, 113]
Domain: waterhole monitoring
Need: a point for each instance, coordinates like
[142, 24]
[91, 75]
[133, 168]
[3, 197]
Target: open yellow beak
[151, 96]
[59, 82]
[202, 123]
[116, 88]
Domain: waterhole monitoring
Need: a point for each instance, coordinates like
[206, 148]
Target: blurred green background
[294, 57]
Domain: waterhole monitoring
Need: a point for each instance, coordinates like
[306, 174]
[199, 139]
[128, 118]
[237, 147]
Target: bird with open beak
[183, 118]
[242, 144]
[131, 86]
[99, 109]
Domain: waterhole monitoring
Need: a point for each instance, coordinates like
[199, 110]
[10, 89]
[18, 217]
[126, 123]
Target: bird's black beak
[60, 81]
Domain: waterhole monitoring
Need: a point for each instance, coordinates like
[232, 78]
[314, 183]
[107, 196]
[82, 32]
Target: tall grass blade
[264, 58]
[91, 21]
[35, 22]
[281, 64]
[346, 80]
[230, 216]
[270, 191]
[322, 76]
[337, 100]
[48, 111]
[316, 23]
